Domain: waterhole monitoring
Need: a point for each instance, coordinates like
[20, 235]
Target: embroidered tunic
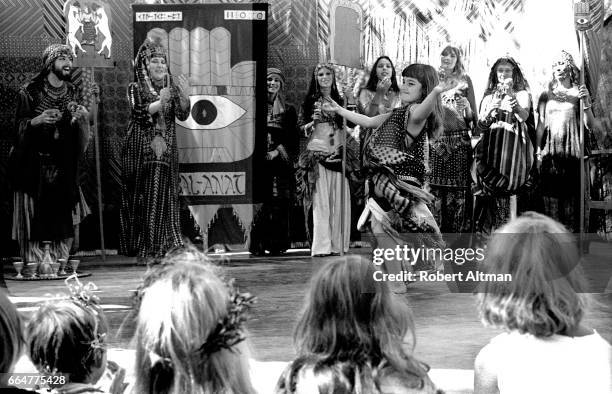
[149, 217]
[44, 167]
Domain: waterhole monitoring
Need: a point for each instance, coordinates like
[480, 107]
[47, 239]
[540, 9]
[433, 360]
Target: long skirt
[326, 213]
[452, 208]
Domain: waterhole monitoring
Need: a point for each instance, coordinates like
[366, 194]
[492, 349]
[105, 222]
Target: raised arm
[420, 112]
[362, 120]
[182, 101]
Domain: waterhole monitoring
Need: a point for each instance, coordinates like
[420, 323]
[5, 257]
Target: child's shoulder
[77, 388]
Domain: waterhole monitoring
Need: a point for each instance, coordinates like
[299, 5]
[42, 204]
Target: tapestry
[222, 49]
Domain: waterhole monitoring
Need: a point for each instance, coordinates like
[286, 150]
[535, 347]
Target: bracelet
[585, 107]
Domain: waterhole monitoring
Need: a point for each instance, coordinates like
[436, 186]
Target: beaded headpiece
[328, 66]
[565, 59]
[149, 49]
[52, 53]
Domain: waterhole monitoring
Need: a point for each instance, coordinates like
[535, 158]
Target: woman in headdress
[558, 141]
[271, 225]
[150, 180]
[319, 172]
[505, 154]
[451, 152]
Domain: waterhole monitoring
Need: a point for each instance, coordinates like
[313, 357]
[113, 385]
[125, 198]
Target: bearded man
[52, 134]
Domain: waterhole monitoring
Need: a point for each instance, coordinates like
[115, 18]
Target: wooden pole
[581, 121]
[342, 187]
[94, 110]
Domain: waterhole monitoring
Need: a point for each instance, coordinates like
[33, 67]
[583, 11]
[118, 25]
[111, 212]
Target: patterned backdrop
[28, 27]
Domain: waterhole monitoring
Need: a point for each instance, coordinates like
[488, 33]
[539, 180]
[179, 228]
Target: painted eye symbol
[211, 113]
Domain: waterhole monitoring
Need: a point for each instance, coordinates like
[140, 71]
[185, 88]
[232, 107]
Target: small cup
[62, 267]
[18, 267]
[31, 270]
[74, 264]
[55, 268]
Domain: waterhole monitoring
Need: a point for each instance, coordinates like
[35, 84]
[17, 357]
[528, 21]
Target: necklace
[562, 94]
[56, 91]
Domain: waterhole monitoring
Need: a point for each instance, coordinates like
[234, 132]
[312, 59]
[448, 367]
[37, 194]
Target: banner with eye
[222, 49]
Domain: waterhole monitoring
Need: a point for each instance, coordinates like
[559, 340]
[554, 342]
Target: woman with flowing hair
[505, 154]
[451, 152]
[558, 141]
[354, 324]
[380, 95]
[189, 330]
[546, 346]
[319, 169]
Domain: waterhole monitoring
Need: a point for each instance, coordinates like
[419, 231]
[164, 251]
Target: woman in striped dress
[505, 154]
[149, 215]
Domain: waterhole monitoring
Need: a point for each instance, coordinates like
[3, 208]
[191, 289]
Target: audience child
[189, 330]
[66, 339]
[11, 343]
[547, 348]
[350, 327]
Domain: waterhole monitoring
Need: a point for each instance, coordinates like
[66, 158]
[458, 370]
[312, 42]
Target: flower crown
[84, 295]
[328, 66]
[229, 330]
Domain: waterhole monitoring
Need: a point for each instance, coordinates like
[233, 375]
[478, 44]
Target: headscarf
[278, 107]
[50, 55]
[148, 50]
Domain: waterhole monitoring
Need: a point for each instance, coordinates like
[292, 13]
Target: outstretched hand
[182, 84]
[330, 105]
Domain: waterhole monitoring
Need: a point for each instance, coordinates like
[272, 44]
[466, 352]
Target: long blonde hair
[544, 296]
[180, 308]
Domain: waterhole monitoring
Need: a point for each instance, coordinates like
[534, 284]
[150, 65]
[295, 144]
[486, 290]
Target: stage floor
[449, 333]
